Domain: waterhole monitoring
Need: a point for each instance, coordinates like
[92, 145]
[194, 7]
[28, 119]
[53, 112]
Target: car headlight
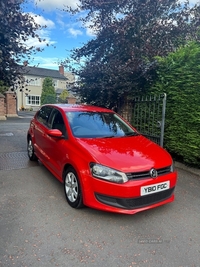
[105, 173]
[172, 167]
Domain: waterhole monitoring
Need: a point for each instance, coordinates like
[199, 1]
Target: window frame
[55, 83]
[52, 116]
[33, 81]
[44, 119]
[31, 104]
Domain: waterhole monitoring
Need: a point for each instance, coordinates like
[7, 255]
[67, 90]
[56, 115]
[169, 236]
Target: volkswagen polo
[102, 161]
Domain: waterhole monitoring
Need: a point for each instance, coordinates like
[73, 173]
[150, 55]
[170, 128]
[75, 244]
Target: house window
[33, 81]
[55, 83]
[33, 100]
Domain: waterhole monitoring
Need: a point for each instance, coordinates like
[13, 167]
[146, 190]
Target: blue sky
[63, 32]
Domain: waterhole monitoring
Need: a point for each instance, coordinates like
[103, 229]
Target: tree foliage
[63, 96]
[48, 95]
[16, 28]
[120, 60]
[179, 77]
[3, 88]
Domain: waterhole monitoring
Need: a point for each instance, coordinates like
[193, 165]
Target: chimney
[61, 69]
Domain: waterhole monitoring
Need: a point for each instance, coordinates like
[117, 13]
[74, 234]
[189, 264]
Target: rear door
[40, 132]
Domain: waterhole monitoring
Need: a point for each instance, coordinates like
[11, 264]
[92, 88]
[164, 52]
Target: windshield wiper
[131, 134]
[118, 136]
[108, 136]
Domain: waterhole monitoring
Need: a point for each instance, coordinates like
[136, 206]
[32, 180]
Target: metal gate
[147, 115]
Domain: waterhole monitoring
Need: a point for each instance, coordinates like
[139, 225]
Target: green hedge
[179, 78]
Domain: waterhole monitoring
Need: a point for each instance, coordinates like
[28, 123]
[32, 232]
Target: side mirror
[55, 133]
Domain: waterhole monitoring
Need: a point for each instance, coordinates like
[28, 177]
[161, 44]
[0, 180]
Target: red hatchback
[103, 162]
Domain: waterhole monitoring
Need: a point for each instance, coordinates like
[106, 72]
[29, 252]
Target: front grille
[133, 203]
[146, 174]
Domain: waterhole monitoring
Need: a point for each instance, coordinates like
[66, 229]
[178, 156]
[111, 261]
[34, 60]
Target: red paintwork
[127, 154]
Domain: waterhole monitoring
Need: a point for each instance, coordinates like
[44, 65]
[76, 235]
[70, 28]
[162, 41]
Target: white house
[29, 92]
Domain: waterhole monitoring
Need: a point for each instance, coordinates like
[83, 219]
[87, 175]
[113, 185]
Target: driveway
[38, 228]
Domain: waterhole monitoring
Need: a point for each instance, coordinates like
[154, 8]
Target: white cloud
[44, 33]
[48, 62]
[73, 27]
[64, 21]
[193, 2]
[90, 32]
[43, 22]
[53, 4]
[60, 22]
[74, 32]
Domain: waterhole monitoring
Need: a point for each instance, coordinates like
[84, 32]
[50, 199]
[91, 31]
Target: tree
[16, 27]
[63, 96]
[120, 61]
[178, 76]
[3, 88]
[48, 95]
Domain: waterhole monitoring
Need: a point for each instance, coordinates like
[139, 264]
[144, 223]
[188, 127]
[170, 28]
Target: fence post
[163, 120]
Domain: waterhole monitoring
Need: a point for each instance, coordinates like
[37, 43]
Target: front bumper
[126, 198]
[135, 203]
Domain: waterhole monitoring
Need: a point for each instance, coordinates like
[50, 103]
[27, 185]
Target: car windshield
[98, 125]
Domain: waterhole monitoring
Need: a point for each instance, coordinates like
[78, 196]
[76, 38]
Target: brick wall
[8, 105]
[71, 100]
[2, 107]
[11, 110]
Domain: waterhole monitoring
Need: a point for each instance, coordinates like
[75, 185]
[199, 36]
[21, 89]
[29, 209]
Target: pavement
[182, 166]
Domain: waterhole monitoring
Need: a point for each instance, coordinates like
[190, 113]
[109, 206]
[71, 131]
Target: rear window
[44, 114]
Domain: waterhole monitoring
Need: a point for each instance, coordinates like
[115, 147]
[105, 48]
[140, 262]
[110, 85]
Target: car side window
[56, 121]
[44, 114]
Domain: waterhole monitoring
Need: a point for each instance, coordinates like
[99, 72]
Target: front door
[56, 147]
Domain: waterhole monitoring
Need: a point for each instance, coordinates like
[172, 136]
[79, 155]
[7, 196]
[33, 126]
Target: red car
[103, 162]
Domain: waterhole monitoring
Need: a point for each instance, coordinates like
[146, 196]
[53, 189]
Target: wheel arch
[76, 168]
[66, 166]
[28, 136]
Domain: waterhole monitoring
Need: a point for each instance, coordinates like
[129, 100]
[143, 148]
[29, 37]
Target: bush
[179, 78]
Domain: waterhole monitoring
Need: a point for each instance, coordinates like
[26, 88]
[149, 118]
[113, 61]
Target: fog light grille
[132, 203]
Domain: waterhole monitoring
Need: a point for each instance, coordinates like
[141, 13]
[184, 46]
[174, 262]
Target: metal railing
[147, 115]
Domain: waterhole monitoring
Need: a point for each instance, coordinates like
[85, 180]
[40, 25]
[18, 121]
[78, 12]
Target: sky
[63, 32]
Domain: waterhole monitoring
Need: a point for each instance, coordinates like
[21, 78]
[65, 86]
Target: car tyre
[72, 189]
[30, 150]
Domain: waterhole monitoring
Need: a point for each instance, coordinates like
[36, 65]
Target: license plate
[154, 188]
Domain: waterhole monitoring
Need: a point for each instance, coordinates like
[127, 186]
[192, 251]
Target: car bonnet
[127, 154]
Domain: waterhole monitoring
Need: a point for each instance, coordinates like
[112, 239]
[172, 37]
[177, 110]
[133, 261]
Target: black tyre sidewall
[33, 157]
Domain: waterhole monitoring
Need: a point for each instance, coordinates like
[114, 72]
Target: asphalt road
[38, 228]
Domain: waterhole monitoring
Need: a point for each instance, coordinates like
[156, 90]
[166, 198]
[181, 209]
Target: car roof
[79, 107]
